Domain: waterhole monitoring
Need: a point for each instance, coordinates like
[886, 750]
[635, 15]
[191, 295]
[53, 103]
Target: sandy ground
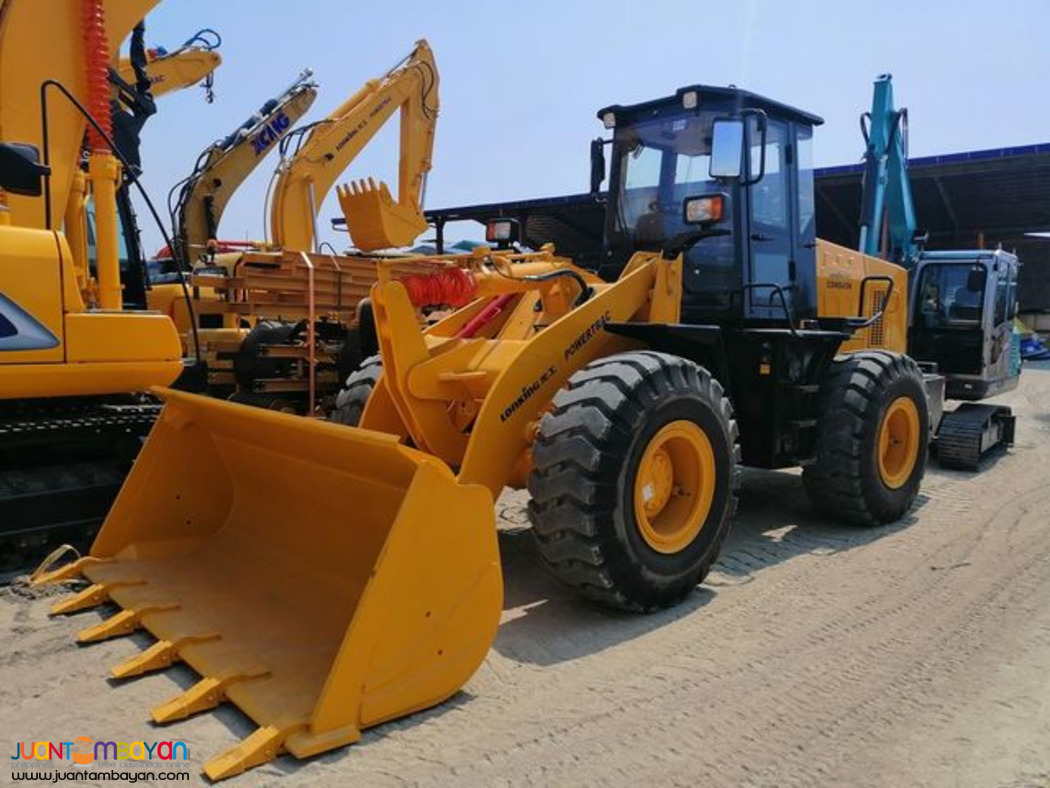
[816, 654]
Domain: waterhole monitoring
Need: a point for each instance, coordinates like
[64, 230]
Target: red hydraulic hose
[452, 287]
[96, 62]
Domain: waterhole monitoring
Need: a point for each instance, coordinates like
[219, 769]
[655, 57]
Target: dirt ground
[816, 654]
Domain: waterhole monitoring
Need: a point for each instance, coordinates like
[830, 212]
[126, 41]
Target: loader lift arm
[374, 219]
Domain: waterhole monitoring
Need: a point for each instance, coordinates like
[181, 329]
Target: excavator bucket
[322, 578]
[375, 221]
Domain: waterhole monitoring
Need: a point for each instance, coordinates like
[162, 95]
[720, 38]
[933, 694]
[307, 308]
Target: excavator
[963, 301]
[77, 350]
[289, 313]
[223, 166]
[721, 333]
[197, 203]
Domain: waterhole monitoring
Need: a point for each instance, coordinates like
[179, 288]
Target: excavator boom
[374, 218]
[223, 167]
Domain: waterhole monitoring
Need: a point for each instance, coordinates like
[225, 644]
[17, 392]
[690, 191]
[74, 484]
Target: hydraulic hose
[96, 54]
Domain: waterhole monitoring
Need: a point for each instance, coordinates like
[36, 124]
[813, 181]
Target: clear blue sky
[520, 82]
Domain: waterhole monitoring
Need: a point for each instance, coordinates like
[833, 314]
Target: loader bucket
[375, 221]
[322, 578]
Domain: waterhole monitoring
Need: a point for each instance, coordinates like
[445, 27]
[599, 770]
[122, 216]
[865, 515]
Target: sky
[521, 81]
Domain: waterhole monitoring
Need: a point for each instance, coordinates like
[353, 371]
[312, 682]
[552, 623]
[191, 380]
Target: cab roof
[740, 99]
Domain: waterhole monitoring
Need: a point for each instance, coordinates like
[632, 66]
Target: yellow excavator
[326, 578]
[77, 351]
[223, 167]
[197, 203]
[290, 313]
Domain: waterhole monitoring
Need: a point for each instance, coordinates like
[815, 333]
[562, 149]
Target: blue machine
[963, 302]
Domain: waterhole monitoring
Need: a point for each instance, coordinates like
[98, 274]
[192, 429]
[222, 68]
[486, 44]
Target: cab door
[1000, 308]
[771, 220]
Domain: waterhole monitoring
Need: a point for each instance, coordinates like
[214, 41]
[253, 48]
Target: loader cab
[963, 307]
[757, 154]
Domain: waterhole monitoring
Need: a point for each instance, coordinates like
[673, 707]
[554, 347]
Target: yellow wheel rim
[674, 486]
[898, 445]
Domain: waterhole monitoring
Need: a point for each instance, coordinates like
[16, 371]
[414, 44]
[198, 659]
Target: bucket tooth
[158, 656]
[204, 695]
[91, 596]
[73, 571]
[260, 747]
[123, 623]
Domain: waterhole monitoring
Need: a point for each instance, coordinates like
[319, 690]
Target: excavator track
[63, 465]
[969, 432]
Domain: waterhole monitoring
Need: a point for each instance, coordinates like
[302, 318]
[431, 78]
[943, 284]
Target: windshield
[661, 163]
[951, 295]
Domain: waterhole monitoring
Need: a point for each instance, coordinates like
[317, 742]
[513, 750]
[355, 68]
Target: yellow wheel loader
[326, 578]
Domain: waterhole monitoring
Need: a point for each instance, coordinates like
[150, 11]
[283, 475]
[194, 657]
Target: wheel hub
[898, 443]
[674, 486]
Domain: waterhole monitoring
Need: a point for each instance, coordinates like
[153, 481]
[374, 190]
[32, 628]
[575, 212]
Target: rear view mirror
[20, 169]
[976, 279]
[597, 164]
[727, 148]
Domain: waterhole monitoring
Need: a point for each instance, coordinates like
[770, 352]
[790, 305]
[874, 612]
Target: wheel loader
[326, 578]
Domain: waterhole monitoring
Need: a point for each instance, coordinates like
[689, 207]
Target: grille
[877, 332]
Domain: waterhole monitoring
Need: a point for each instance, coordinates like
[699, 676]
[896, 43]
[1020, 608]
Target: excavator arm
[193, 62]
[886, 192]
[224, 166]
[375, 220]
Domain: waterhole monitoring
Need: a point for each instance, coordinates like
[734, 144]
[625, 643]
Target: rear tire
[591, 494]
[872, 439]
[352, 397]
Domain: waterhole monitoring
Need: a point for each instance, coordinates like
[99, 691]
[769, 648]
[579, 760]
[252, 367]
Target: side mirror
[976, 279]
[727, 148]
[706, 209]
[597, 164]
[20, 169]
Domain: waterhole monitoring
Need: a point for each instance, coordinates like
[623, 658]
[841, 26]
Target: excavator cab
[962, 316]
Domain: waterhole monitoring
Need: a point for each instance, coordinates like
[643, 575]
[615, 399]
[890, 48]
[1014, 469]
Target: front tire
[633, 479]
[872, 439]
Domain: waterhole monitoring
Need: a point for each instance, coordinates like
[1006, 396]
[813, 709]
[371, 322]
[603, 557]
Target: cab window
[952, 295]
